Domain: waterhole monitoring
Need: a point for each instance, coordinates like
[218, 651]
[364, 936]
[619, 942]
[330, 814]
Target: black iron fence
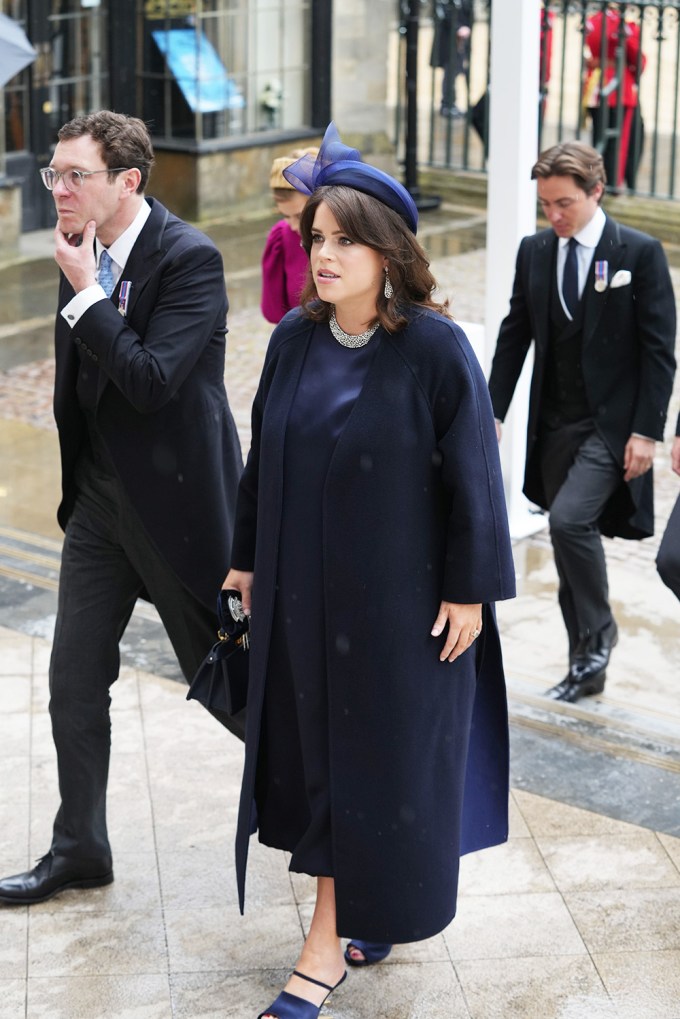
[609, 75]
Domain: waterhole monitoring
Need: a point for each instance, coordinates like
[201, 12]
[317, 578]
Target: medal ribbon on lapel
[124, 297]
[601, 275]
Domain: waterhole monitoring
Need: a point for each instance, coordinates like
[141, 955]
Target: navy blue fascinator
[337, 163]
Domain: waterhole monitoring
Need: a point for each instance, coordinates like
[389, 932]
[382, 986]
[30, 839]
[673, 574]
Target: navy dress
[293, 774]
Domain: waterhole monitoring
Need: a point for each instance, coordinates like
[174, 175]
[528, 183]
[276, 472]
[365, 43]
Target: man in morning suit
[150, 459]
[596, 299]
[668, 556]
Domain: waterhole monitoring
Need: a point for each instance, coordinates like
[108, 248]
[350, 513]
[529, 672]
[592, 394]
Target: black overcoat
[627, 357]
[155, 383]
[413, 513]
[448, 18]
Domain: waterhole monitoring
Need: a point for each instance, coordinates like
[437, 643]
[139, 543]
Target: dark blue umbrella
[16, 51]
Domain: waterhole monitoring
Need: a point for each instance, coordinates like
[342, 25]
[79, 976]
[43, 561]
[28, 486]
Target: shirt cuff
[83, 300]
[636, 435]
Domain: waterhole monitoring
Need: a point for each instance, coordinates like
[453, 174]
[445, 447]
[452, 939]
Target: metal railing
[609, 75]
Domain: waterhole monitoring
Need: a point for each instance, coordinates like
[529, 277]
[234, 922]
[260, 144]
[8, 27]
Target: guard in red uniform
[614, 80]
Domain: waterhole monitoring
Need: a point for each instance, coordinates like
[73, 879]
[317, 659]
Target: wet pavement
[578, 916]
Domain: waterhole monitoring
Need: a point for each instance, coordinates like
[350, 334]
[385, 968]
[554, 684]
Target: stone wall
[214, 184]
[10, 218]
[361, 39]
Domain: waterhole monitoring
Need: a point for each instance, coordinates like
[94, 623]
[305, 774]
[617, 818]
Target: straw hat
[276, 178]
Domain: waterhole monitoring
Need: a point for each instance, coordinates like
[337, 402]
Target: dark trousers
[577, 544]
[668, 556]
[629, 146]
[107, 561]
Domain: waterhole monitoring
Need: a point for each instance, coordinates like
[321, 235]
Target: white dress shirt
[588, 239]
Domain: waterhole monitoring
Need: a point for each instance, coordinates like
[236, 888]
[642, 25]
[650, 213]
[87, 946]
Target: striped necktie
[106, 274]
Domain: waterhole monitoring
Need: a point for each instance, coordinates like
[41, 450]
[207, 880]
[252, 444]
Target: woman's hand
[465, 625]
[241, 581]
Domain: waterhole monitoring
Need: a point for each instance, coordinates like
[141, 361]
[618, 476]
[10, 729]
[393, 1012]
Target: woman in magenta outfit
[284, 260]
[371, 541]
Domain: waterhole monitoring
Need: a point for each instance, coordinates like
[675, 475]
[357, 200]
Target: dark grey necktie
[570, 278]
[106, 273]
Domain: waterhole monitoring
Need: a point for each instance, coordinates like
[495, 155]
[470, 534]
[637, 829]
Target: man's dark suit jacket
[628, 358]
[157, 382]
[449, 16]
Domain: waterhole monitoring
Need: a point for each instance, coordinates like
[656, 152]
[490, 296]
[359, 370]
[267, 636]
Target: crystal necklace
[346, 339]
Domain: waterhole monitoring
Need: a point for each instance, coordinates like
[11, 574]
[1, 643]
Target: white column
[511, 212]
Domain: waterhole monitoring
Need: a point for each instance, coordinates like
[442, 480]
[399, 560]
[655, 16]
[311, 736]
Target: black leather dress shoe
[575, 686]
[51, 875]
[588, 669]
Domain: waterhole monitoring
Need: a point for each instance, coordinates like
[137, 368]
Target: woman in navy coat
[371, 540]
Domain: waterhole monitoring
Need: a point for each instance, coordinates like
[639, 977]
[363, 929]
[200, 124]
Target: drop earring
[389, 289]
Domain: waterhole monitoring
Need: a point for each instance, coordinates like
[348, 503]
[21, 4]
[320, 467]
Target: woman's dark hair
[123, 141]
[365, 220]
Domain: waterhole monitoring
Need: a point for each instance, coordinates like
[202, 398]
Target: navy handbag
[221, 682]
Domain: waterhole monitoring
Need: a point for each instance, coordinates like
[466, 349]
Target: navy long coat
[413, 513]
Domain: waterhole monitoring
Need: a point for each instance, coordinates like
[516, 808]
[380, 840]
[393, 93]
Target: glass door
[70, 76]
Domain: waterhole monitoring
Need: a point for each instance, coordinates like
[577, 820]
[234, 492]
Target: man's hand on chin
[74, 254]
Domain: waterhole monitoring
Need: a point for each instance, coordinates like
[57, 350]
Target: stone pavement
[577, 917]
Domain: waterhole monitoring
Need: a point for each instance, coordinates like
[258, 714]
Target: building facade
[225, 85]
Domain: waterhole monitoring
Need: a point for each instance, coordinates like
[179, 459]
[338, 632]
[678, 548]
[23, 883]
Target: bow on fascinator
[337, 163]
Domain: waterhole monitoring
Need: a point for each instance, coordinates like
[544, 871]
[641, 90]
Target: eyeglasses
[73, 179]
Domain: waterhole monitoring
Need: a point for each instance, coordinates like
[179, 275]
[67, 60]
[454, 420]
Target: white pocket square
[621, 278]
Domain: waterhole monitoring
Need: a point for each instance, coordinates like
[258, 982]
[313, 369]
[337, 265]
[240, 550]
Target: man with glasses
[150, 459]
[596, 299]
